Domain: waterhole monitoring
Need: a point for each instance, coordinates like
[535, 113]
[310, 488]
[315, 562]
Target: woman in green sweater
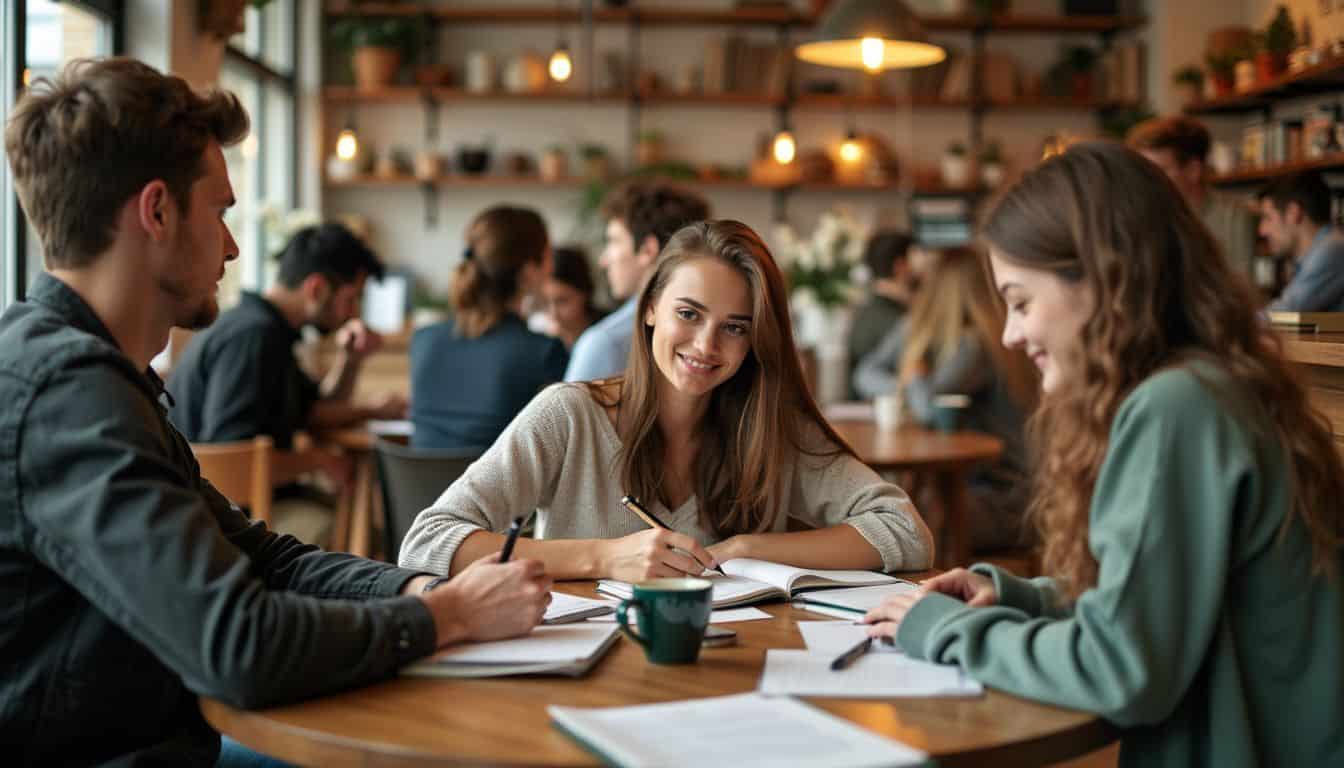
[1187, 496]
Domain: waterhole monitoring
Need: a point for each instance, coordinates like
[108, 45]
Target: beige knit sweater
[559, 457]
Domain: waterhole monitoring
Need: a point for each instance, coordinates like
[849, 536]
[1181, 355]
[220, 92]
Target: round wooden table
[947, 458]
[434, 722]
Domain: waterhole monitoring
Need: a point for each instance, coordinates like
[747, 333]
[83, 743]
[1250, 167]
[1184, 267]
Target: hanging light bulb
[872, 50]
[784, 148]
[347, 146]
[851, 150]
[561, 66]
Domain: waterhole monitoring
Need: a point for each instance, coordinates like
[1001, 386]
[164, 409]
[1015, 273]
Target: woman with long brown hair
[472, 374]
[948, 344]
[712, 427]
[1187, 495]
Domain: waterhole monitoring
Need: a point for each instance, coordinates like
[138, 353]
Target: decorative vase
[525, 73]
[375, 66]
[480, 72]
[554, 165]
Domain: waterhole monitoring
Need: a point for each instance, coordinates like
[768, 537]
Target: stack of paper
[565, 649]
[741, 730]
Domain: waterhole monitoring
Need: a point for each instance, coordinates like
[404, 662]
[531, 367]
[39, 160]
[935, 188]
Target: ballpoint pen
[852, 655]
[510, 539]
[631, 503]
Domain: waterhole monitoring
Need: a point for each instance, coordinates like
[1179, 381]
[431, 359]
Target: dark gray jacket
[128, 585]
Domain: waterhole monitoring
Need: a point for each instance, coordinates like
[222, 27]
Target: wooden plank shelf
[668, 16]
[404, 93]
[1326, 77]
[499, 180]
[1333, 162]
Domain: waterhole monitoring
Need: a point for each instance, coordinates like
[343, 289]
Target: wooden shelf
[656, 98]
[455, 180]
[667, 16]
[1326, 77]
[1332, 162]
[818, 102]
[400, 93]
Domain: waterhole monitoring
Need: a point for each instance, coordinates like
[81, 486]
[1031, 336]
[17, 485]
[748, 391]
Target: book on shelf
[744, 729]
[564, 649]
[1310, 322]
[746, 581]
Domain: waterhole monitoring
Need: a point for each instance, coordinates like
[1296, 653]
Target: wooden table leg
[362, 505]
[955, 547]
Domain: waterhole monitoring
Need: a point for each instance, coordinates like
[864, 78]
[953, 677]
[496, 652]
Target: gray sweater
[559, 457]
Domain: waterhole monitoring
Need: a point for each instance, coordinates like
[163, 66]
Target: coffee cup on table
[949, 412]
[889, 411]
[673, 614]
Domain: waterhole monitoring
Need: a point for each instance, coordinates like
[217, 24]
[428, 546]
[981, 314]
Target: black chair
[411, 481]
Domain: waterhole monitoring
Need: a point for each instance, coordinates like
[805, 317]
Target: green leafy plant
[1280, 38]
[406, 35]
[591, 151]
[991, 153]
[1188, 75]
[652, 136]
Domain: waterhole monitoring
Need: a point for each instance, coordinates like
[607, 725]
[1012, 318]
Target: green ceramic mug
[949, 412]
[673, 614]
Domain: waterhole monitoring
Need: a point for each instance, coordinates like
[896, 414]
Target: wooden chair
[241, 471]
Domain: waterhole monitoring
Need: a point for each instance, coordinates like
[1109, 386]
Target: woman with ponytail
[712, 427]
[1187, 495]
[472, 374]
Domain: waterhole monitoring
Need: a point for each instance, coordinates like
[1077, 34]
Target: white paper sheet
[564, 605]
[554, 643]
[715, 617]
[832, 638]
[862, 599]
[873, 676]
[743, 731]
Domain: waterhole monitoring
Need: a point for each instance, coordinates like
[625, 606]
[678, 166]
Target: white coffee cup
[889, 411]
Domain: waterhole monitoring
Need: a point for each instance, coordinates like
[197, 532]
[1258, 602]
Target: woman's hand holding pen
[489, 600]
[652, 554]
[972, 588]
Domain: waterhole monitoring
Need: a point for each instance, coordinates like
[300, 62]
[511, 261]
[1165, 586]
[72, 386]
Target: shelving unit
[784, 21]
[1333, 162]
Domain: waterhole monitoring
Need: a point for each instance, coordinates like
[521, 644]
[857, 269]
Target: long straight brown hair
[957, 298]
[1101, 215]
[758, 422]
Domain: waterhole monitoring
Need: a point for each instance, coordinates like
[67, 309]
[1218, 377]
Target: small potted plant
[474, 159]
[554, 163]
[649, 150]
[955, 166]
[596, 163]
[1189, 82]
[1222, 71]
[1081, 61]
[377, 47]
[1277, 41]
[991, 164]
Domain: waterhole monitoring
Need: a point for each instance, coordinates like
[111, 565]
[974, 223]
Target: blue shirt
[464, 392]
[603, 349]
[1318, 284]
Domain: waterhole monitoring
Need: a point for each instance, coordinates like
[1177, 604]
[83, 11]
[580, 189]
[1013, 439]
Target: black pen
[514, 528]
[852, 655]
[631, 503]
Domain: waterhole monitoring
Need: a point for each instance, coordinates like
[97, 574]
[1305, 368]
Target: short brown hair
[1184, 137]
[81, 145]
[656, 210]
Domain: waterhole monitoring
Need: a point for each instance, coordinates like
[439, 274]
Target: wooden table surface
[913, 447]
[433, 722]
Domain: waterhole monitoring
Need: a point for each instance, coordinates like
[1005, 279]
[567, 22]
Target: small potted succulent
[596, 162]
[1276, 42]
[955, 165]
[1189, 82]
[650, 149]
[991, 164]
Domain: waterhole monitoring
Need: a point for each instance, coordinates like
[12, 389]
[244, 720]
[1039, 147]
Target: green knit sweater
[1206, 639]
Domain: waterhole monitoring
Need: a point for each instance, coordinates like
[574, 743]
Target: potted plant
[554, 163]
[474, 159]
[1278, 40]
[223, 19]
[1222, 69]
[596, 163]
[1081, 62]
[1243, 74]
[377, 47]
[649, 149]
[991, 164]
[955, 166]
[1189, 82]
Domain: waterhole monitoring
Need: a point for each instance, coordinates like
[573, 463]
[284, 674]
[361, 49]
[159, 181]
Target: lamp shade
[872, 35]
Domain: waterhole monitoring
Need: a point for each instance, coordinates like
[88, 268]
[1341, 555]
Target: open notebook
[743, 730]
[563, 649]
[752, 581]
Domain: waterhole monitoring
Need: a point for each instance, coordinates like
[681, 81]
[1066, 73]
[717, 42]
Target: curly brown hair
[654, 210]
[1101, 215]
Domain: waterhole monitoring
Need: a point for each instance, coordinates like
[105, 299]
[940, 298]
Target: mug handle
[625, 624]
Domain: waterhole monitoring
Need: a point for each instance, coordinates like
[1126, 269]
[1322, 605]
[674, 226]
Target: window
[259, 69]
[37, 38]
